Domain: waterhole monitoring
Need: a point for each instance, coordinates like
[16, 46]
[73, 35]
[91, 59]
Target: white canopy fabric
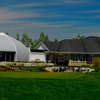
[9, 44]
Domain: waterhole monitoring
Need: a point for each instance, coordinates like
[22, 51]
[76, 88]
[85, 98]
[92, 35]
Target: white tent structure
[12, 49]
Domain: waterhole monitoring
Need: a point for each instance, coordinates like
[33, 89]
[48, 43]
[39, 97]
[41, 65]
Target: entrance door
[47, 58]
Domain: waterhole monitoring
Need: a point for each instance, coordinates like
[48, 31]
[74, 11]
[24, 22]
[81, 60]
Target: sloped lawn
[49, 86]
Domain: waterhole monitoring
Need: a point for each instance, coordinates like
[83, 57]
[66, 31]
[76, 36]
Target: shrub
[42, 69]
[97, 69]
[13, 65]
[8, 64]
[4, 69]
[82, 65]
[8, 68]
[87, 65]
[96, 61]
[1, 69]
[14, 69]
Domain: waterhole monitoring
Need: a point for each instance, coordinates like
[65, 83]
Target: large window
[55, 59]
[60, 57]
[75, 57]
[90, 58]
[47, 58]
[82, 58]
[7, 56]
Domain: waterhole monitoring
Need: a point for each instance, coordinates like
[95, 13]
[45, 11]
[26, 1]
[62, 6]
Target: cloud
[29, 5]
[95, 17]
[61, 25]
[38, 4]
[54, 21]
[52, 3]
[92, 11]
[61, 30]
[75, 1]
[6, 13]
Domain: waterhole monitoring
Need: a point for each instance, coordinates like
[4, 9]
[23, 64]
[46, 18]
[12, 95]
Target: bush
[8, 64]
[97, 69]
[85, 66]
[42, 69]
[82, 65]
[1, 69]
[4, 69]
[96, 61]
[14, 69]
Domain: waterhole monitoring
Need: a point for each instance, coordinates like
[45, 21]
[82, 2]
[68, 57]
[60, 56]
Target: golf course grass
[49, 86]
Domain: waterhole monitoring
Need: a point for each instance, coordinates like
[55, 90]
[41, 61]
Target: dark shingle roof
[52, 46]
[72, 46]
[92, 44]
[87, 45]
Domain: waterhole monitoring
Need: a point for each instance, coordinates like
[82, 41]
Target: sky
[61, 19]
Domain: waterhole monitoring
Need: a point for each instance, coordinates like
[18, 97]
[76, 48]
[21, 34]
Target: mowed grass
[49, 86]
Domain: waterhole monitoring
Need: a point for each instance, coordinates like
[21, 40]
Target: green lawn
[49, 86]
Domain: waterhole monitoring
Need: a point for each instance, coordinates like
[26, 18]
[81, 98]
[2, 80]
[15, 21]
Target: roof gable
[41, 46]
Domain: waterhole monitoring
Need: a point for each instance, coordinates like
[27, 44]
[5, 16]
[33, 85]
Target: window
[75, 57]
[47, 58]
[60, 57]
[82, 58]
[0, 54]
[90, 58]
[55, 59]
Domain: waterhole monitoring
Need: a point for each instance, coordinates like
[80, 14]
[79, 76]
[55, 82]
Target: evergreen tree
[28, 42]
[79, 37]
[42, 36]
[46, 38]
[17, 36]
[6, 33]
[31, 43]
[55, 40]
[25, 40]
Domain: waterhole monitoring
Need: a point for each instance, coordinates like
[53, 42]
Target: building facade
[70, 52]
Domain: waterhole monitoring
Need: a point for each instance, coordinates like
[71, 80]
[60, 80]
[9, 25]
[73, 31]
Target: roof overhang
[72, 52]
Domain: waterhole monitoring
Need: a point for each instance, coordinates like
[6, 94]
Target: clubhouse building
[66, 52]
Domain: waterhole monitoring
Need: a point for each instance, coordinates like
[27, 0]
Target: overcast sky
[62, 19]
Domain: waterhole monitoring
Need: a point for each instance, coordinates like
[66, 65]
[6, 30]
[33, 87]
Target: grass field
[49, 86]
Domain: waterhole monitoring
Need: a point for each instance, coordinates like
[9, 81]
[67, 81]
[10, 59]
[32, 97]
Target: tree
[36, 42]
[46, 38]
[41, 38]
[55, 40]
[31, 43]
[17, 36]
[78, 37]
[26, 40]
[96, 61]
[6, 33]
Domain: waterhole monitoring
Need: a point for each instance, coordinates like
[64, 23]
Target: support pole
[5, 56]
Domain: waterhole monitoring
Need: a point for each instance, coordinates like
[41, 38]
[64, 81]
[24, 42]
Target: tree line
[29, 42]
